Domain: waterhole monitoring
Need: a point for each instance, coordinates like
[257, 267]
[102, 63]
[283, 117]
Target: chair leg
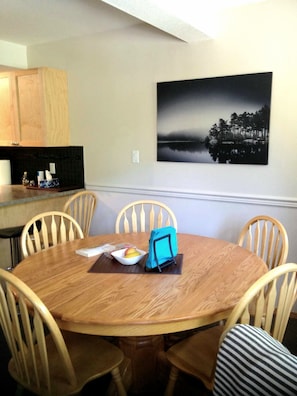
[116, 375]
[169, 391]
[11, 255]
[16, 251]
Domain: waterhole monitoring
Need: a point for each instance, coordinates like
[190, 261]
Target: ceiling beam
[156, 15]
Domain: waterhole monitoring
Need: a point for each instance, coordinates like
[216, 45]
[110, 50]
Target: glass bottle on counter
[25, 180]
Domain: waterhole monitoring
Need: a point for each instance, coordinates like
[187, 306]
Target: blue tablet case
[163, 248]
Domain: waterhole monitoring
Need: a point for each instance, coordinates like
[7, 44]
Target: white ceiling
[29, 22]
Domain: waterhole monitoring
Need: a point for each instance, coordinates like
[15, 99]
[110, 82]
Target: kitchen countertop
[18, 194]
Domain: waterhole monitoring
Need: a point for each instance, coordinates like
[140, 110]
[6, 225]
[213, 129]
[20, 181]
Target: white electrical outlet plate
[135, 156]
[52, 168]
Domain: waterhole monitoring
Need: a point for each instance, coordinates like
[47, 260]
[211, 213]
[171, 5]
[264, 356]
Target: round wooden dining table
[140, 308]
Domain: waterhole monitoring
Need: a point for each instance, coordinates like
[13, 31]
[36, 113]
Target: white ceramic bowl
[119, 256]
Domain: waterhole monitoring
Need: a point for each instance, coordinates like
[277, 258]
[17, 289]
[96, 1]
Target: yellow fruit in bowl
[131, 252]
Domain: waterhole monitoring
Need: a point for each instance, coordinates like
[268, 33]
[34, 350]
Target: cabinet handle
[15, 143]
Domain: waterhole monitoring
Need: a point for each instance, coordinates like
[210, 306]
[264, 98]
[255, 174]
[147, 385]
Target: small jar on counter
[25, 180]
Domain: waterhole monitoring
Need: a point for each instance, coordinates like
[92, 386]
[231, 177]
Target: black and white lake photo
[220, 120]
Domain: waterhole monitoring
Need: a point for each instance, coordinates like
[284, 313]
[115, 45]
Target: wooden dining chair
[144, 216]
[81, 206]
[266, 237]
[266, 304]
[45, 360]
[48, 229]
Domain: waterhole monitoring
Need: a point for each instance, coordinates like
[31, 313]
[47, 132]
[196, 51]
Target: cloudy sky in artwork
[196, 105]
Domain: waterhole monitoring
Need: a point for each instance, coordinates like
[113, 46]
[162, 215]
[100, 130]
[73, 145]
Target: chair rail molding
[285, 202]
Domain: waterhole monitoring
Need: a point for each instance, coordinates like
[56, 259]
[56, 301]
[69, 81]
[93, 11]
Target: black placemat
[107, 265]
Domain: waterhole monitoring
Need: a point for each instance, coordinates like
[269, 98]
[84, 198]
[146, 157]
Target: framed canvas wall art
[220, 120]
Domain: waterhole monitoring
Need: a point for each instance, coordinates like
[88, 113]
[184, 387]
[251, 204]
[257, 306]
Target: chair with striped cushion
[251, 362]
[266, 304]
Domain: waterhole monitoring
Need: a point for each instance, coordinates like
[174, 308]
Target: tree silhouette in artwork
[242, 139]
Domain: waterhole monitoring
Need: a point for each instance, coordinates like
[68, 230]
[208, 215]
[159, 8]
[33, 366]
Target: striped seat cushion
[252, 363]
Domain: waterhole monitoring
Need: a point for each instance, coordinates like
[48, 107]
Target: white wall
[112, 98]
[13, 55]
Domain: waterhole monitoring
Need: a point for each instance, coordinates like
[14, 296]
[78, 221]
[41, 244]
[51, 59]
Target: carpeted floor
[186, 386]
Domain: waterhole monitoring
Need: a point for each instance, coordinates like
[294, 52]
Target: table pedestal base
[143, 353]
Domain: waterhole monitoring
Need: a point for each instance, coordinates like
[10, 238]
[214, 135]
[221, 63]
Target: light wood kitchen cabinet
[7, 126]
[34, 108]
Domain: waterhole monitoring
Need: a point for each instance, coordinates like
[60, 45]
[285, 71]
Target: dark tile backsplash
[69, 163]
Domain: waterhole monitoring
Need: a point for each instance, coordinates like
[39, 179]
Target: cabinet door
[30, 117]
[34, 108]
[55, 102]
[7, 124]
